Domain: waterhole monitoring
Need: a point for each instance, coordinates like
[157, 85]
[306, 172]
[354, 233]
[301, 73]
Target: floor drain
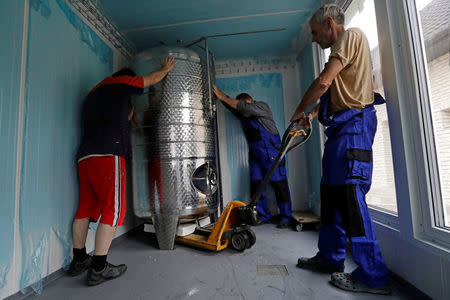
[270, 270]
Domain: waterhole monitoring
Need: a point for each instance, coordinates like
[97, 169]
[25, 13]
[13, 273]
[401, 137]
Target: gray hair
[328, 10]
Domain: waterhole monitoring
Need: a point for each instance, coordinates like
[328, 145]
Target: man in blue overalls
[263, 140]
[346, 108]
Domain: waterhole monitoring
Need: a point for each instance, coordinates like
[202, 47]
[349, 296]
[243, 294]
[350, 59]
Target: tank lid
[162, 51]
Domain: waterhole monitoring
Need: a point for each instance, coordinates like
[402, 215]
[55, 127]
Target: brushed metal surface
[172, 132]
[174, 138]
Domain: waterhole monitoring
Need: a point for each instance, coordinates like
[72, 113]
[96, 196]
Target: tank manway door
[204, 179]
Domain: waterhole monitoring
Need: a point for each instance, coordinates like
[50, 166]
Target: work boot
[317, 263]
[109, 272]
[78, 267]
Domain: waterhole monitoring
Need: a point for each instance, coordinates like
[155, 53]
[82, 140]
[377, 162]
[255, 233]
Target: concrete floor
[189, 273]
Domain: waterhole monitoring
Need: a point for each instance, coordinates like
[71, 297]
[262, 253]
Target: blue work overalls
[346, 178]
[262, 154]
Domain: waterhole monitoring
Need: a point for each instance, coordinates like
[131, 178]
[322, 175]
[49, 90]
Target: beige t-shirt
[352, 88]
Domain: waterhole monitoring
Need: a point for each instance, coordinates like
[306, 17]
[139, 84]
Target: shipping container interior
[55, 51]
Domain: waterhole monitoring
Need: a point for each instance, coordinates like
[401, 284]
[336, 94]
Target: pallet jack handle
[287, 144]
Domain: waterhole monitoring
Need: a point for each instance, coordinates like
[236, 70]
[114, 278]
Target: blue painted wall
[262, 87]
[65, 60]
[11, 19]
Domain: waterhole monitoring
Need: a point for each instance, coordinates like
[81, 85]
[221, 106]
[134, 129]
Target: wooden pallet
[305, 218]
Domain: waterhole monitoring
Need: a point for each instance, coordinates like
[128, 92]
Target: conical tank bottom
[165, 229]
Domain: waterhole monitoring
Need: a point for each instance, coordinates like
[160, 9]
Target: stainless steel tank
[174, 164]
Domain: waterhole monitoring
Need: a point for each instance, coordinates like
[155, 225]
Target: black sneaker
[317, 263]
[77, 268]
[109, 272]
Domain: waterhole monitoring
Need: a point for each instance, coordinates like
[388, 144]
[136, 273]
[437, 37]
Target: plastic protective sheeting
[262, 87]
[306, 69]
[65, 60]
[87, 35]
[36, 244]
[11, 21]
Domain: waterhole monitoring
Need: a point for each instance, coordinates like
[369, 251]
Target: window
[433, 43]
[361, 14]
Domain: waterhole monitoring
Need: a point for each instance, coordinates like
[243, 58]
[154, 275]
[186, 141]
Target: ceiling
[149, 23]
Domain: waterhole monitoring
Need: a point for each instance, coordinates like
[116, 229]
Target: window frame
[432, 205]
[380, 215]
[319, 65]
[402, 52]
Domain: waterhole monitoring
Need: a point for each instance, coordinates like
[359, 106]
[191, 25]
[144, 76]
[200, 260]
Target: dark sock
[98, 262]
[79, 255]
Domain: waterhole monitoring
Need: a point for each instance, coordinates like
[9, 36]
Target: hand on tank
[219, 94]
[156, 76]
[168, 63]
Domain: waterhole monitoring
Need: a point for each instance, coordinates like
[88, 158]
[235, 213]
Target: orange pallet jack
[234, 224]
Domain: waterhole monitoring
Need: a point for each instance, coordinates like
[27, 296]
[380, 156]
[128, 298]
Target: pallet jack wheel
[251, 236]
[240, 241]
[299, 227]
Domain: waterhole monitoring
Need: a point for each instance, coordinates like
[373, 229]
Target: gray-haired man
[347, 109]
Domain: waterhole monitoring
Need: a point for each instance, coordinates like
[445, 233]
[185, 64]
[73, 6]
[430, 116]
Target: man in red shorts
[104, 144]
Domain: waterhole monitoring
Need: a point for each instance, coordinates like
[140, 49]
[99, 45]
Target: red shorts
[102, 189]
